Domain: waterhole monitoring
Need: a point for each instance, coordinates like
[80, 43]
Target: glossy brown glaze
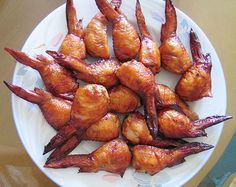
[113, 157]
[135, 130]
[152, 160]
[56, 78]
[195, 83]
[104, 130]
[174, 124]
[95, 37]
[149, 53]
[126, 42]
[141, 80]
[100, 72]
[123, 100]
[168, 98]
[73, 44]
[55, 110]
[174, 56]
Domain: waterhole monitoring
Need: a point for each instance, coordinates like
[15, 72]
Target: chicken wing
[195, 83]
[123, 100]
[174, 124]
[126, 42]
[101, 72]
[113, 157]
[95, 36]
[152, 159]
[55, 110]
[104, 130]
[135, 130]
[149, 53]
[73, 44]
[174, 56]
[56, 78]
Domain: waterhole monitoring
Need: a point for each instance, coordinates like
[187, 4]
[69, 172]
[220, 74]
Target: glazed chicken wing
[56, 78]
[126, 42]
[174, 124]
[55, 110]
[135, 130]
[101, 72]
[174, 56]
[73, 44]
[123, 100]
[113, 157]
[104, 130]
[152, 159]
[149, 53]
[195, 83]
[95, 36]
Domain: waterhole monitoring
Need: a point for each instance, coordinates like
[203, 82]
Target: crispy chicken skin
[56, 78]
[174, 56]
[152, 160]
[95, 36]
[174, 124]
[55, 110]
[126, 42]
[90, 104]
[135, 130]
[104, 130]
[141, 80]
[113, 157]
[168, 98]
[73, 44]
[195, 83]
[123, 99]
[101, 72]
[149, 53]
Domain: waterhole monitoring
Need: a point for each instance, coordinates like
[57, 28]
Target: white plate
[34, 132]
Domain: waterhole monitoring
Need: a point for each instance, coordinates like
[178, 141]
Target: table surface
[18, 18]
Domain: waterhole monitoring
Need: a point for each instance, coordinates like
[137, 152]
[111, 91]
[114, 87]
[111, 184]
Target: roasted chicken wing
[73, 44]
[174, 124]
[123, 99]
[101, 72]
[113, 157]
[95, 36]
[152, 159]
[55, 110]
[56, 78]
[174, 56]
[195, 83]
[135, 130]
[149, 53]
[104, 130]
[126, 42]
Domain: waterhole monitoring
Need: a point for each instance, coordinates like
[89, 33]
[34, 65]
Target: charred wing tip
[203, 146]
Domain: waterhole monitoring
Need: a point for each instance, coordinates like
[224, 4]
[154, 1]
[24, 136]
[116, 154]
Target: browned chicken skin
[90, 104]
[135, 130]
[95, 36]
[126, 42]
[123, 99]
[113, 157]
[101, 72]
[73, 44]
[104, 130]
[174, 56]
[174, 124]
[149, 53]
[141, 80]
[152, 159]
[195, 83]
[55, 110]
[56, 78]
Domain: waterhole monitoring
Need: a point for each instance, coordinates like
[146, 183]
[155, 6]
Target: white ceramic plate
[34, 131]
